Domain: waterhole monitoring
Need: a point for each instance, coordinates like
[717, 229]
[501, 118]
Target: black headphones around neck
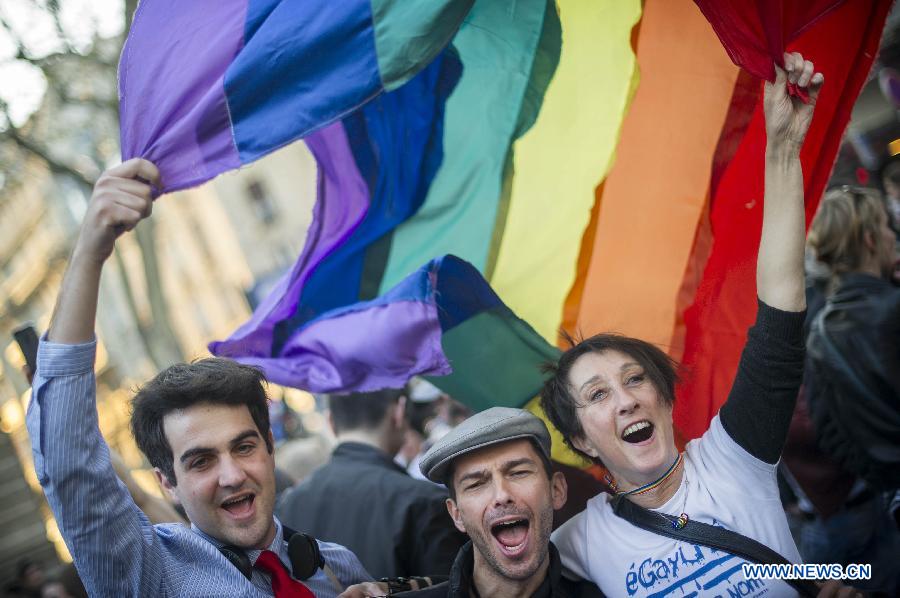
[303, 552]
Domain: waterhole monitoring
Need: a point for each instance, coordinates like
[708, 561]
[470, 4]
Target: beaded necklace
[682, 520]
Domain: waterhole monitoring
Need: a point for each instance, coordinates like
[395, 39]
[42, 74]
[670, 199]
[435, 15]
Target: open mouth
[239, 506]
[512, 535]
[638, 432]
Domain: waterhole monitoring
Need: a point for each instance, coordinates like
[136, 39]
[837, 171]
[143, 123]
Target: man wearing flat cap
[496, 466]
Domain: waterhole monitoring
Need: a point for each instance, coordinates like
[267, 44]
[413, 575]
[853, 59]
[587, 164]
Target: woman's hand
[779, 271]
[788, 116]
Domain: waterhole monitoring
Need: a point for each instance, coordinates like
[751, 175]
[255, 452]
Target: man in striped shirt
[203, 426]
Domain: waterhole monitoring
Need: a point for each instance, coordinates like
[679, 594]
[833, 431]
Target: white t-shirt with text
[722, 485]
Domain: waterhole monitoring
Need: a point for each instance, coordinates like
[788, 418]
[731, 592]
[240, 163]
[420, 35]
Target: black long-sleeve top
[758, 411]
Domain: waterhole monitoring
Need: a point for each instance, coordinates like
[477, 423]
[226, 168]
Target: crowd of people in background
[841, 465]
[410, 488]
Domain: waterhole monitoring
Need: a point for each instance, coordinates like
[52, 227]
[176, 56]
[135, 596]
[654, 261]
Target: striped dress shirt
[116, 549]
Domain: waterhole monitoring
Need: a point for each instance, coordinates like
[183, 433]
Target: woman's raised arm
[779, 269]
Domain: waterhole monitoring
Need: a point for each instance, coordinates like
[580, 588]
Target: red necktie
[282, 584]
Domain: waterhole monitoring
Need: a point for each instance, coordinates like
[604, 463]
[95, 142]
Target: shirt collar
[276, 546]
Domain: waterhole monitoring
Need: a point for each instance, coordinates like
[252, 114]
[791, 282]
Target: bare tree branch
[21, 50]
[90, 58]
[14, 134]
[54, 165]
[77, 119]
[52, 7]
[99, 103]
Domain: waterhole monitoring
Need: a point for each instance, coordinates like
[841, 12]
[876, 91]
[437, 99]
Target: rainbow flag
[843, 41]
[375, 166]
[434, 322]
[597, 164]
[207, 86]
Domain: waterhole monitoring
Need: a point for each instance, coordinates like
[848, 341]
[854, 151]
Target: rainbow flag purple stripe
[240, 78]
[442, 320]
[377, 168]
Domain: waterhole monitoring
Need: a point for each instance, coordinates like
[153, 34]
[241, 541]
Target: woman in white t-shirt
[611, 397]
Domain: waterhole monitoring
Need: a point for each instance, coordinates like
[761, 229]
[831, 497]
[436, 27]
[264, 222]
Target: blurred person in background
[890, 183]
[64, 583]
[299, 457]
[284, 423]
[361, 498]
[422, 411]
[451, 413]
[30, 577]
[55, 589]
[278, 416]
[842, 458]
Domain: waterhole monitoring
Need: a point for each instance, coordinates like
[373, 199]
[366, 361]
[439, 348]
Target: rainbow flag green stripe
[496, 44]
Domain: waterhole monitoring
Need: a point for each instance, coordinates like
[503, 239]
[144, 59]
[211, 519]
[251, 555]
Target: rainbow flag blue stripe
[240, 78]
[434, 322]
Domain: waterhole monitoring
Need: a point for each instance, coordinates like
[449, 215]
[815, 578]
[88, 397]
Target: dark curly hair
[213, 381]
[561, 406]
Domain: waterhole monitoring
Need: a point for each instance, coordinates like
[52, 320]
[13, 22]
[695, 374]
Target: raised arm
[111, 540]
[779, 269]
[758, 411]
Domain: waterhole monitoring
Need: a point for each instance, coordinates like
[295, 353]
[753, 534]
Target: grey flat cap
[491, 426]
